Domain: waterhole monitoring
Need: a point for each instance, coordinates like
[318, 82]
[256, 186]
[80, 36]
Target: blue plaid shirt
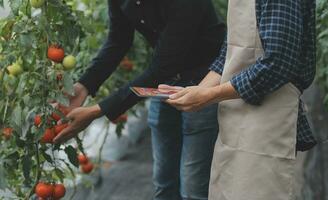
[287, 31]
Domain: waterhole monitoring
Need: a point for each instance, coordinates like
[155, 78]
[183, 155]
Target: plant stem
[5, 111]
[38, 172]
[103, 143]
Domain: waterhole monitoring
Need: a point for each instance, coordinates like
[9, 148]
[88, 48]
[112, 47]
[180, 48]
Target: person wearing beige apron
[255, 153]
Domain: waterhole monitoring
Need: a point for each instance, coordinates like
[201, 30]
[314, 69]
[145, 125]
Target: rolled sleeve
[244, 87]
[280, 28]
[218, 64]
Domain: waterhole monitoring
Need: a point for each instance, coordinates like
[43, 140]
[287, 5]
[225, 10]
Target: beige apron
[255, 153]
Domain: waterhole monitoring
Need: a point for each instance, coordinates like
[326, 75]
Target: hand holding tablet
[160, 93]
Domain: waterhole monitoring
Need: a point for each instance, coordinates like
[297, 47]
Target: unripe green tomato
[69, 62]
[15, 69]
[37, 3]
[106, 92]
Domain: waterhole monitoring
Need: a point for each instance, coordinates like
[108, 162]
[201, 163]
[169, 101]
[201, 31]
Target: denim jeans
[183, 145]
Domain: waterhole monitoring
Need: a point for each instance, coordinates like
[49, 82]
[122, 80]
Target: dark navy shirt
[287, 32]
[185, 35]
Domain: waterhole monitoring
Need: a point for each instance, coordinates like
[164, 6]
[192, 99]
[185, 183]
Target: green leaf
[15, 5]
[60, 174]
[72, 155]
[79, 144]
[68, 84]
[16, 117]
[6, 29]
[119, 129]
[46, 157]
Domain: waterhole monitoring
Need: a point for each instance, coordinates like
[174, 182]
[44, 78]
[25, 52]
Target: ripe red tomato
[55, 116]
[44, 190]
[87, 168]
[60, 128]
[59, 191]
[48, 136]
[127, 64]
[7, 132]
[121, 119]
[63, 110]
[83, 159]
[56, 53]
[37, 120]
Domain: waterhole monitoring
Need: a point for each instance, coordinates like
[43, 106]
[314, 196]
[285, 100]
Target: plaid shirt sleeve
[218, 64]
[280, 27]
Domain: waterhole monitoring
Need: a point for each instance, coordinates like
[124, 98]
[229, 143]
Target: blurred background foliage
[322, 46]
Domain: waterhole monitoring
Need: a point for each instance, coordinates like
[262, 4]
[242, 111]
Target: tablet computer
[151, 92]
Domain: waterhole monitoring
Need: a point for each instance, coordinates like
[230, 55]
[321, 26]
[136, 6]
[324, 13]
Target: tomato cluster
[57, 55]
[85, 163]
[53, 130]
[49, 191]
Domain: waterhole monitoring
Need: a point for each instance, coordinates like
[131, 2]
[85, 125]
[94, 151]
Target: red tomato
[44, 190]
[83, 159]
[87, 168]
[127, 64]
[55, 116]
[63, 110]
[59, 191]
[121, 119]
[7, 132]
[60, 128]
[37, 120]
[56, 53]
[48, 136]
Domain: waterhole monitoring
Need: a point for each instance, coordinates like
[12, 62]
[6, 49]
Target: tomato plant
[44, 47]
[29, 82]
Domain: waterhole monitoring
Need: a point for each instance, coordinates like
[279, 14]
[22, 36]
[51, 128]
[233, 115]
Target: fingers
[179, 105]
[65, 135]
[169, 88]
[68, 132]
[179, 94]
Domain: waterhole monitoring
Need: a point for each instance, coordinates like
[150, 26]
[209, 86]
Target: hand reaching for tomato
[79, 119]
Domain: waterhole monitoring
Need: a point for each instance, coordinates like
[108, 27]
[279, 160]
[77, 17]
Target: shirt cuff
[217, 67]
[118, 103]
[244, 88]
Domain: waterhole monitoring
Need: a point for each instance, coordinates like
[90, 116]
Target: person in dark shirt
[185, 35]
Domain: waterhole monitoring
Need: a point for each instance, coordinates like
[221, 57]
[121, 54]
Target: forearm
[224, 92]
[212, 79]
[103, 65]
